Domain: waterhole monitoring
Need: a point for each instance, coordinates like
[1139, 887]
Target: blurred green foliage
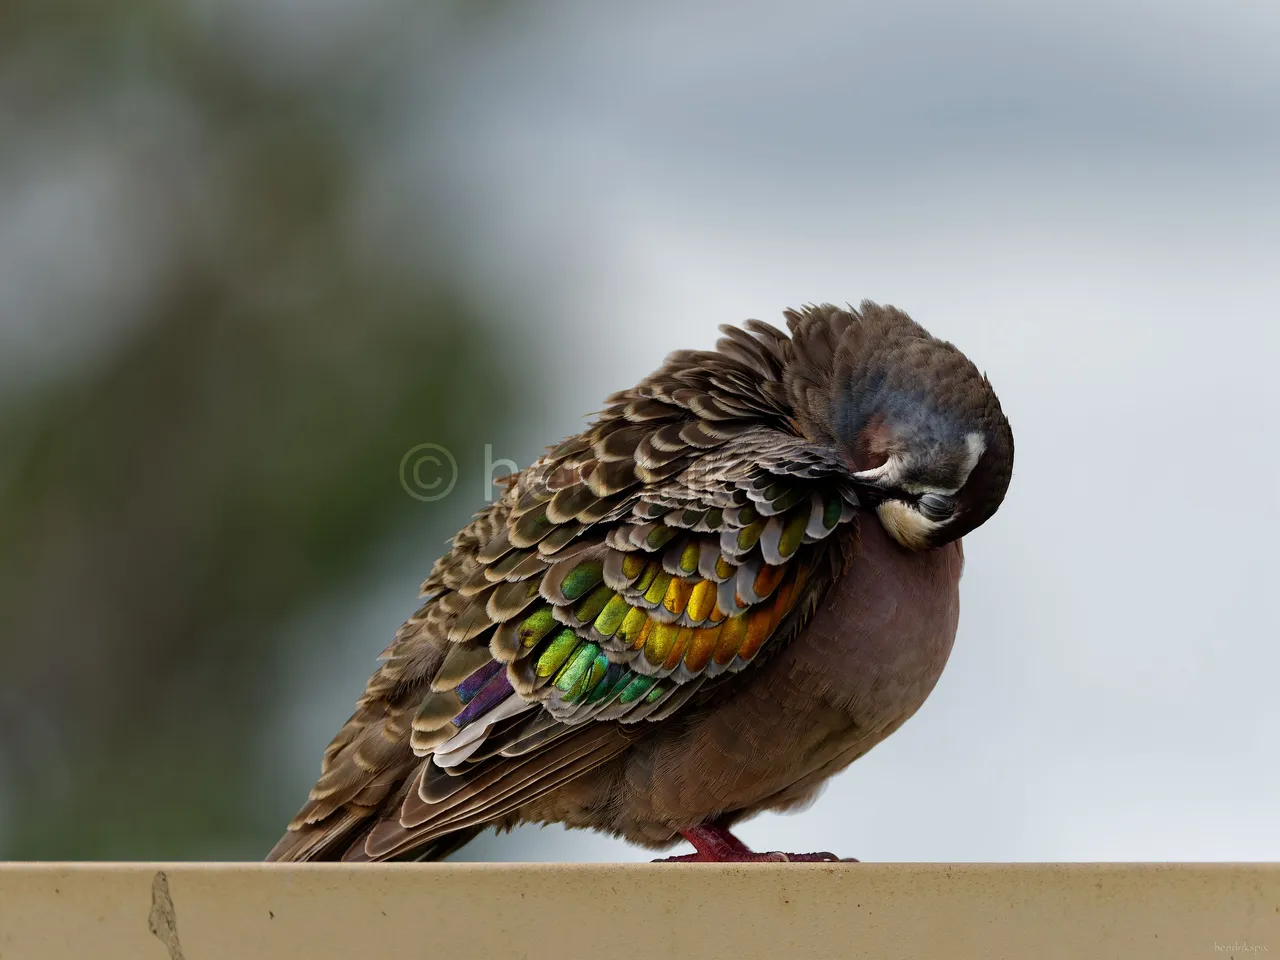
[231, 455]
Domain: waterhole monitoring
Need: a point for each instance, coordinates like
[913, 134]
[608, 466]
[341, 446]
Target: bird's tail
[345, 841]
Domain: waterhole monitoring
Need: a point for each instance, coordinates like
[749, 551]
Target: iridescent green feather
[636, 689]
[832, 512]
[595, 601]
[749, 536]
[536, 626]
[583, 674]
[658, 589]
[573, 678]
[611, 617]
[616, 677]
[646, 580]
[659, 536]
[581, 579]
[793, 533]
[557, 652]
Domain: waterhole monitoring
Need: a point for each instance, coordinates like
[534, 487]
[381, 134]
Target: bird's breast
[861, 667]
[879, 640]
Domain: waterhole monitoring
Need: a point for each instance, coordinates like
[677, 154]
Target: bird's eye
[935, 506]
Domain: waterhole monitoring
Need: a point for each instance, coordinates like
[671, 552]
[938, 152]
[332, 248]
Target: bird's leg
[715, 844]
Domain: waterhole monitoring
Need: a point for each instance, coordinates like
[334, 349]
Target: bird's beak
[869, 494]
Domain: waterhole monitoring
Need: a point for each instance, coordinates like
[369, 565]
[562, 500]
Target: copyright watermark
[428, 472]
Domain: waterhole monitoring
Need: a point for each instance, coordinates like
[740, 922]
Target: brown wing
[631, 566]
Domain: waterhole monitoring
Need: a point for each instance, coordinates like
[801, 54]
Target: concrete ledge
[800, 911]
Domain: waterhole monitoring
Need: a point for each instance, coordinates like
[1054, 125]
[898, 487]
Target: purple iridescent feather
[497, 689]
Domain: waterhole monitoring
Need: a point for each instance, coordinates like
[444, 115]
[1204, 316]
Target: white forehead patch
[889, 474]
[977, 447]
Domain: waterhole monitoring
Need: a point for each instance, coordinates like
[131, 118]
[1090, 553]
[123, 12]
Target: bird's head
[928, 444]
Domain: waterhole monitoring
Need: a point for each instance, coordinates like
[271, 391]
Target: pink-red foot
[716, 844]
[751, 856]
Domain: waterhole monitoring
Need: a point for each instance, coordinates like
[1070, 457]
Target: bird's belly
[862, 666]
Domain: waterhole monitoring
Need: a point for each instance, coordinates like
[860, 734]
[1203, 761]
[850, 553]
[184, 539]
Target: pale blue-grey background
[1084, 198]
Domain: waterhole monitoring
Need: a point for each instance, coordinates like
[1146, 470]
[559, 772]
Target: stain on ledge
[163, 920]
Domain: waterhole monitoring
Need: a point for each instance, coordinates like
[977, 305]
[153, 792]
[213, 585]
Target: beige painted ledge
[499, 911]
